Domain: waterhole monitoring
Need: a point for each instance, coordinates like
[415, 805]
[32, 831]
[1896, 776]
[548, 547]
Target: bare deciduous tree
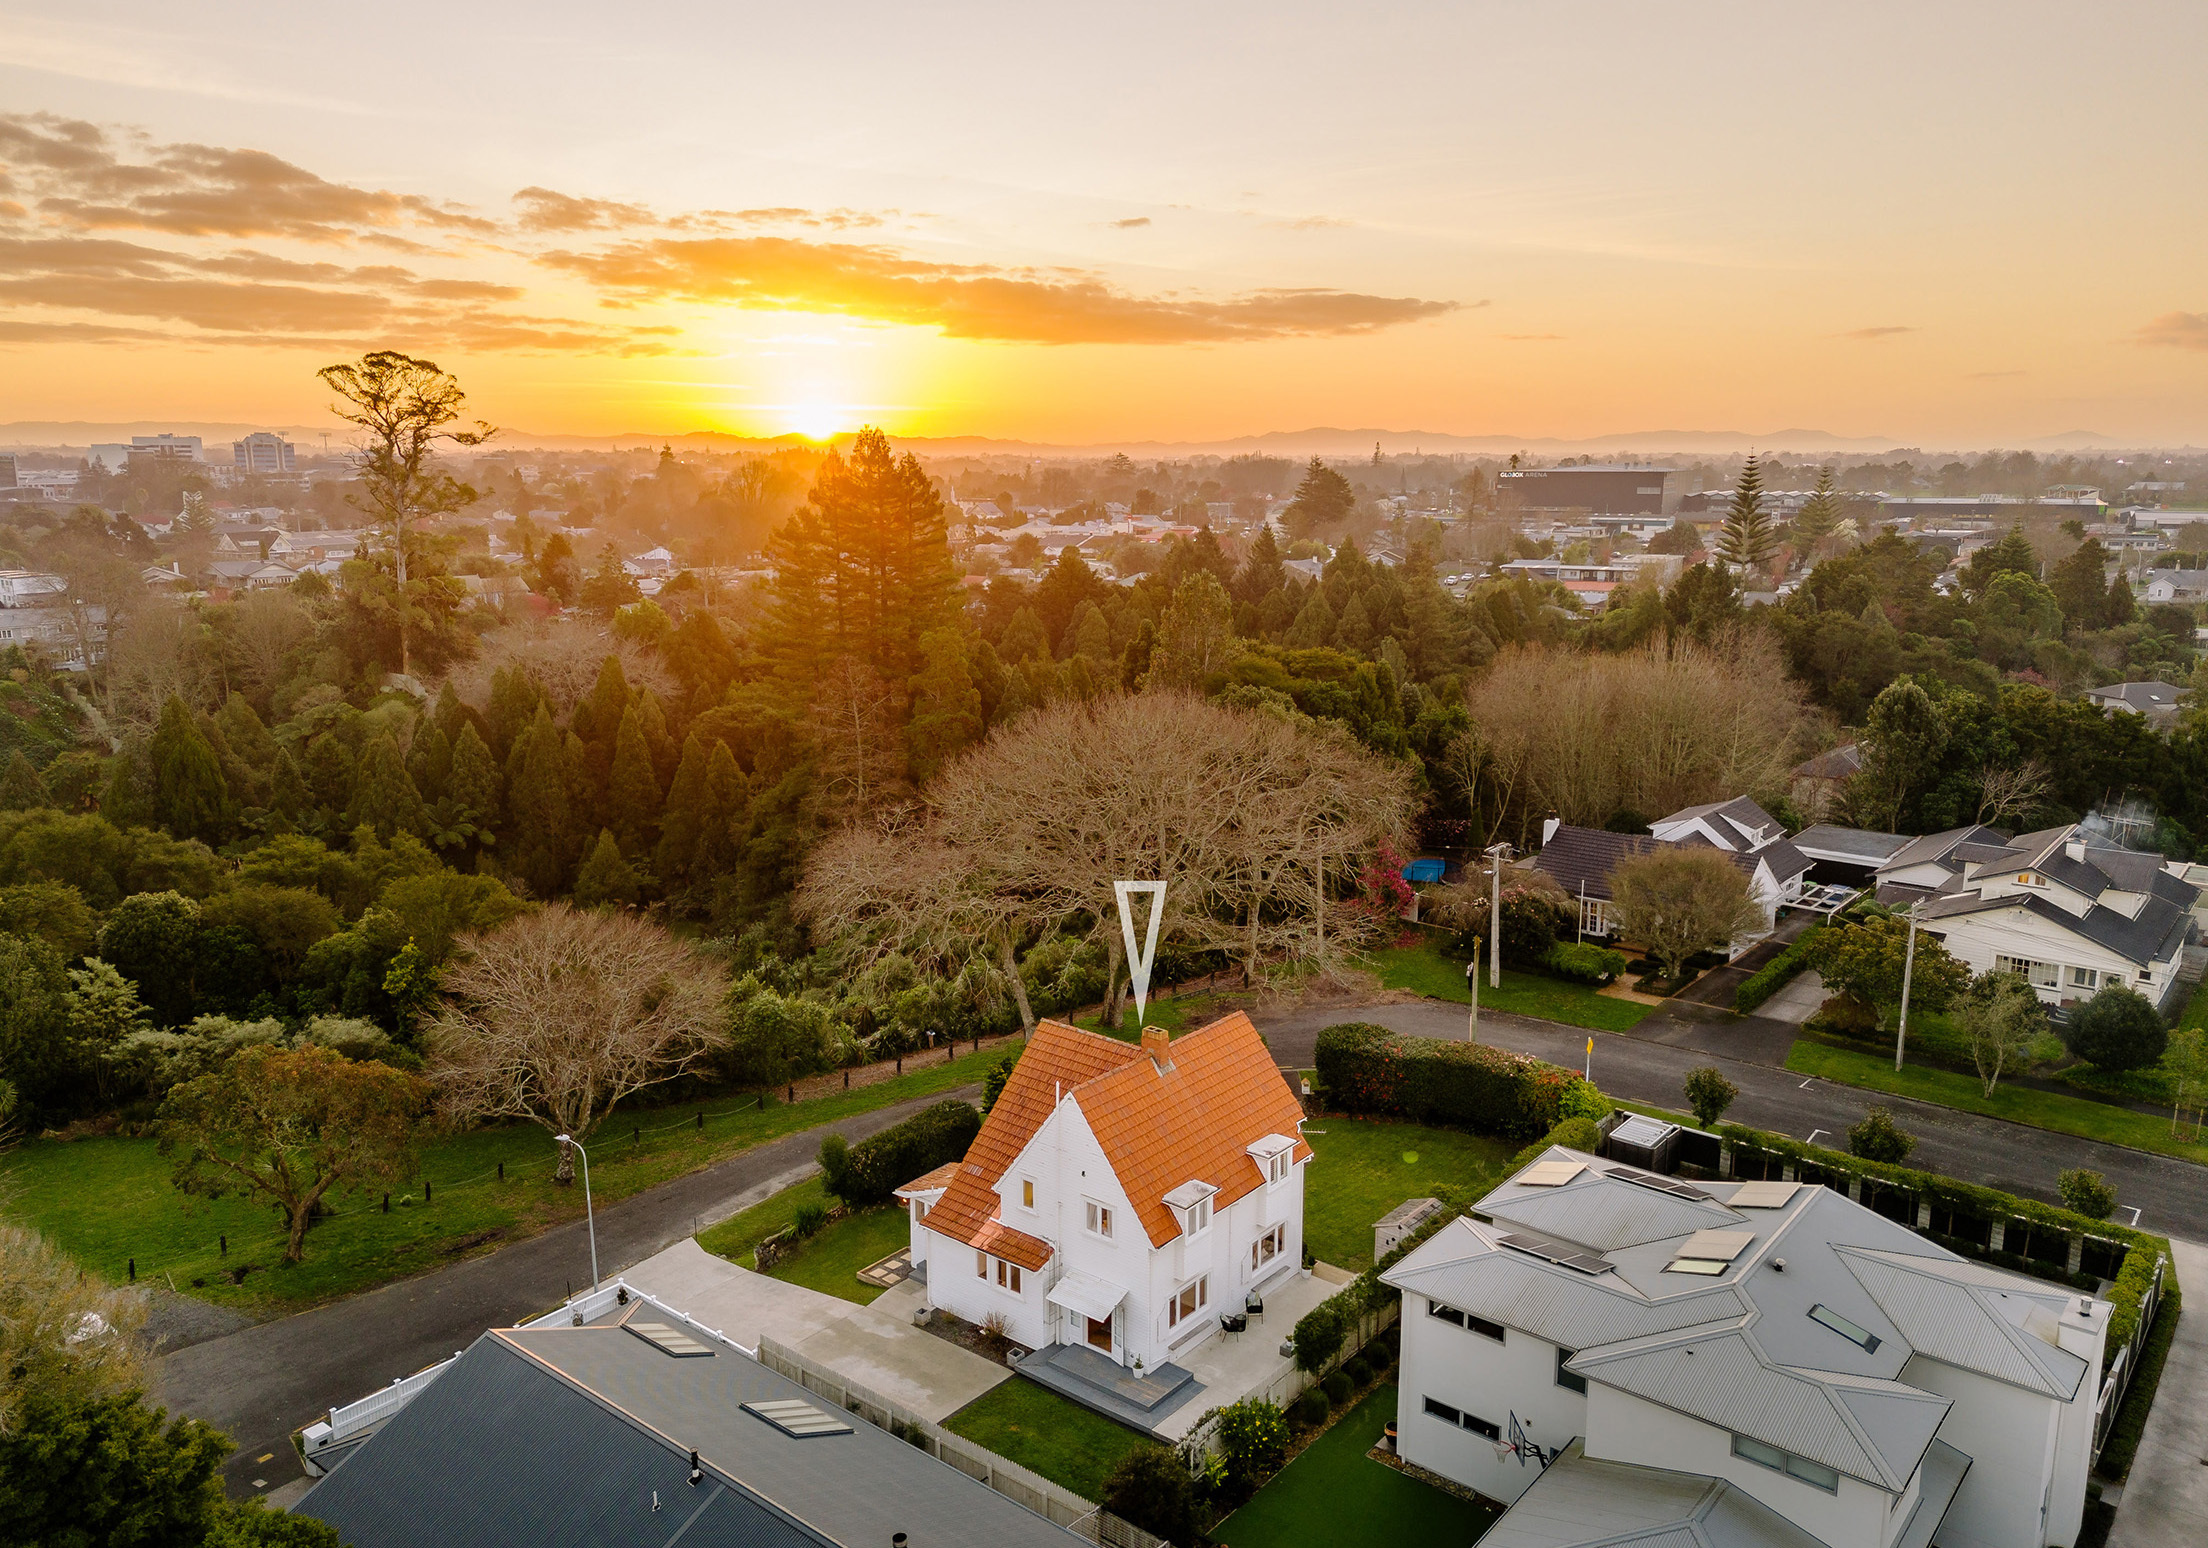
[1676, 902]
[1648, 732]
[1252, 820]
[558, 1015]
[2012, 791]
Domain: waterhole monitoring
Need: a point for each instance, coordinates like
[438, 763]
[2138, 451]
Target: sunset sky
[1943, 224]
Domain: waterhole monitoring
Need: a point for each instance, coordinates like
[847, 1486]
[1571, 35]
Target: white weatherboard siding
[1471, 1372]
[954, 1285]
[1622, 1427]
[1975, 940]
[2030, 1455]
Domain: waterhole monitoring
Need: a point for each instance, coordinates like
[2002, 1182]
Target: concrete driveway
[876, 1346]
[2165, 1501]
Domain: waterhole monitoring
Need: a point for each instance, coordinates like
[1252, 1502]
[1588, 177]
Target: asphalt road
[2171, 1195]
[263, 1382]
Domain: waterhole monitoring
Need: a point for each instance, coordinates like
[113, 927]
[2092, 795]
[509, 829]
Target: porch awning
[1086, 1294]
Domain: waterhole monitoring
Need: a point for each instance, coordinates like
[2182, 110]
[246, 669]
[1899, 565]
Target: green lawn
[831, 1260]
[107, 1201]
[1334, 1494]
[1047, 1434]
[735, 1237]
[1362, 1168]
[2019, 1104]
[1428, 970]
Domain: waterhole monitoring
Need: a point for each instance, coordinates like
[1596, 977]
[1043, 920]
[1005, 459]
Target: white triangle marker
[1139, 962]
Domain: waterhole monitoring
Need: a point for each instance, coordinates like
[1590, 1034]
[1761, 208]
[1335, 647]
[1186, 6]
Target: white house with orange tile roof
[1120, 1197]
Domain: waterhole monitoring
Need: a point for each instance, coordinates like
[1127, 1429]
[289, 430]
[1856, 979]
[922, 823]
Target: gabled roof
[1057, 1058]
[1860, 846]
[1841, 762]
[1194, 1120]
[1975, 1318]
[1577, 1500]
[2152, 694]
[930, 1182]
[1941, 846]
[1580, 860]
[2155, 935]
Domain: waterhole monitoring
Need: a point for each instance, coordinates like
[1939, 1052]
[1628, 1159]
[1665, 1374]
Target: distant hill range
[1323, 441]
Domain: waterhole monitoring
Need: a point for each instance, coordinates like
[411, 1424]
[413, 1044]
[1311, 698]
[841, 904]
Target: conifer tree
[540, 816]
[632, 788]
[290, 803]
[429, 761]
[1747, 540]
[384, 797]
[514, 699]
[1819, 517]
[246, 737]
[683, 817]
[605, 876]
[1314, 626]
[190, 797]
[610, 587]
[1353, 630]
[946, 707]
[21, 788]
[652, 716]
[1024, 638]
[1089, 635]
[598, 717]
[1263, 571]
[472, 788]
[449, 714]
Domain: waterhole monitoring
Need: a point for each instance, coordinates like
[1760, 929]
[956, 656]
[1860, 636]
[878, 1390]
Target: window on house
[1192, 1298]
[1570, 1380]
[2030, 879]
[1815, 1474]
[1099, 1219]
[1466, 1321]
[981, 1265]
[1445, 1313]
[1199, 1215]
[2146, 975]
[1277, 1168]
[1483, 1428]
[1268, 1247]
[2084, 978]
[1027, 1193]
[2041, 975]
[1441, 1410]
[919, 1209]
[1008, 1276]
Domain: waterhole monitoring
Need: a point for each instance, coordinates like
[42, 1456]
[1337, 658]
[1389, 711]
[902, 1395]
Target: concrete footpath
[2165, 1502]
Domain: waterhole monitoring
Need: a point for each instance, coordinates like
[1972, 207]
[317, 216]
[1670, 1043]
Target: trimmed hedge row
[874, 1169]
[1584, 964]
[1775, 974]
[1369, 1069]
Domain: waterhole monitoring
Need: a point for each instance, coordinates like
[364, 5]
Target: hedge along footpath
[1367, 1069]
[1776, 974]
[871, 1171]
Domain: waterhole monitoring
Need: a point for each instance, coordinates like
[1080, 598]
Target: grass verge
[1364, 1168]
[831, 1259]
[2018, 1104]
[1047, 1434]
[1334, 1494]
[107, 1201]
[1427, 969]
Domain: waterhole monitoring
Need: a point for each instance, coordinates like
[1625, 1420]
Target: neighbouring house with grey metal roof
[2068, 913]
[1580, 860]
[1624, 1358]
[640, 1427]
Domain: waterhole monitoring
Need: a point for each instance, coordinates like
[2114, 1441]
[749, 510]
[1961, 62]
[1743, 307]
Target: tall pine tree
[1747, 540]
[606, 877]
[384, 797]
[540, 817]
[632, 788]
[472, 793]
[1818, 519]
[683, 817]
[946, 707]
[190, 797]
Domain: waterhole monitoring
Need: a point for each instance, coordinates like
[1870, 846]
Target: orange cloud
[2178, 330]
[543, 209]
[1867, 334]
[967, 301]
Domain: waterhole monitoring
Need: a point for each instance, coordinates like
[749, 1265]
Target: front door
[1100, 1334]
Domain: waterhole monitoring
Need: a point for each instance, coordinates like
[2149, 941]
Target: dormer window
[1191, 1205]
[2030, 879]
[1275, 1156]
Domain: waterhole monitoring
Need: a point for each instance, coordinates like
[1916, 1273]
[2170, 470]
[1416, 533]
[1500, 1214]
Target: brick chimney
[1158, 1044]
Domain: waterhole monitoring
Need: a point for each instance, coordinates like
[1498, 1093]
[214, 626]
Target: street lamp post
[1495, 856]
[1908, 969]
[589, 1214]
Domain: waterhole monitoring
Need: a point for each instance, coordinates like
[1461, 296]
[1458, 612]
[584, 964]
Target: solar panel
[1658, 1184]
[668, 1340]
[800, 1419]
[1763, 1195]
[1555, 1252]
[1551, 1174]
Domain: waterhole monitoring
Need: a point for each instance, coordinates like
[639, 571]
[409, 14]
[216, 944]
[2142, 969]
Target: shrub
[1311, 1409]
[2118, 1029]
[2088, 1193]
[1879, 1138]
[1360, 1373]
[1583, 1100]
[810, 1218]
[1843, 1015]
[1338, 1388]
[1253, 1442]
[1151, 1488]
[1534, 910]
[1709, 1093]
[1321, 1332]
[874, 1169]
[1587, 964]
[1369, 1069]
[993, 1079]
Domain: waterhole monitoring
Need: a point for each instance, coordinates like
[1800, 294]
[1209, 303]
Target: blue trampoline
[1424, 870]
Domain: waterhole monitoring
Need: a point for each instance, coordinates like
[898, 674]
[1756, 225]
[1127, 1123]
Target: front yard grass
[831, 1258]
[1362, 1168]
[2018, 1104]
[1334, 1494]
[106, 1201]
[1425, 968]
[1021, 1421]
[740, 1234]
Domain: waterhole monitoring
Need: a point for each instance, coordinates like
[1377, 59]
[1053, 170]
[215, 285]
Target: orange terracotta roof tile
[1058, 1058]
[927, 1182]
[1161, 1128]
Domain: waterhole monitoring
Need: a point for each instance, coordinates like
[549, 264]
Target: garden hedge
[874, 1169]
[1371, 1070]
[1775, 974]
[1586, 964]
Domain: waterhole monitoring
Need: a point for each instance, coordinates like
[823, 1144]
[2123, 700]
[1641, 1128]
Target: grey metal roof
[1830, 841]
[2154, 935]
[1785, 858]
[1867, 1428]
[1595, 1212]
[1962, 1315]
[558, 1438]
[1579, 1501]
[2141, 696]
[1941, 846]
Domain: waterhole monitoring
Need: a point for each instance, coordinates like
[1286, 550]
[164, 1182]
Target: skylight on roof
[1850, 1331]
[800, 1419]
[1722, 1246]
[1709, 1267]
[1763, 1195]
[1551, 1174]
[668, 1339]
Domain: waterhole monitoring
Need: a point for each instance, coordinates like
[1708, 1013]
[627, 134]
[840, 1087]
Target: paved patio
[875, 1346]
[1233, 1366]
